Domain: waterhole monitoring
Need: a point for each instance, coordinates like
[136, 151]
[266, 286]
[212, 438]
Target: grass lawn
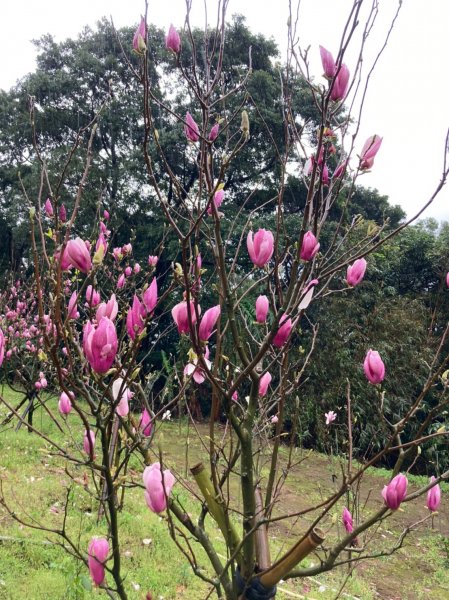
[35, 482]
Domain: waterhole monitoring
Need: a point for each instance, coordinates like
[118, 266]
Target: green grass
[35, 483]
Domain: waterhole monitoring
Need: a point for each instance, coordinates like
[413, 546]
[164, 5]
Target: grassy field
[35, 482]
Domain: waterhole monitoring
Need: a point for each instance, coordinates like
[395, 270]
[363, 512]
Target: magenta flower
[89, 443]
[208, 322]
[135, 319]
[340, 170]
[369, 151]
[213, 133]
[309, 246]
[395, 492]
[152, 260]
[106, 215]
[341, 82]
[173, 41]
[283, 332]
[274, 419]
[92, 297]
[330, 417]
[347, 520]
[181, 317]
[98, 551]
[195, 370]
[374, 367]
[433, 496]
[146, 423]
[72, 309]
[140, 37]
[136, 268]
[100, 344]
[158, 486]
[62, 214]
[356, 272]
[121, 281]
[261, 248]
[264, 383]
[262, 308]
[328, 63]
[447, 279]
[121, 395]
[150, 296]
[64, 404]
[217, 201]
[2, 347]
[48, 208]
[79, 255]
[191, 129]
[109, 309]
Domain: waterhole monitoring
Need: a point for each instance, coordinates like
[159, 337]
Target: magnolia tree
[240, 322]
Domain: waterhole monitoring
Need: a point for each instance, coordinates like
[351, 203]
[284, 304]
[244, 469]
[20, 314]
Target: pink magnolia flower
[374, 367]
[62, 214]
[98, 551]
[208, 322]
[158, 486]
[395, 492]
[213, 134]
[152, 260]
[347, 520]
[274, 419]
[140, 37]
[447, 279]
[121, 281]
[433, 496]
[128, 271]
[191, 129]
[89, 443]
[48, 208]
[341, 82]
[127, 248]
[78, 255]
[261, 248]
[64, 404]
[283, 332]
[150, 296]
[72, 309]
[106, 215]
[135, 319]
[173, 41]
[369, 151]
[100, 344]
[264, 382]
[121, 394]
[330, 417]
[181, 318]
[101, 244]
[109, 309]
[340, 170]
[309, 246]
[217, 201]
[136, 268]
[146, 423]
[92, 297]
[262, 308]
[195, 370]
[356, 272]
[325, 175]
[328, 63]
[2, 347]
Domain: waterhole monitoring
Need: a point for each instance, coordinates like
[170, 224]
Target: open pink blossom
[195, 370]
[98, 551]
[158, 487]
[107, 309]
[100, 344]
[330, 417]
[135, 318]
[79, 255]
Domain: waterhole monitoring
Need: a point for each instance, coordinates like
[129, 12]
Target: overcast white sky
[407, 102]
